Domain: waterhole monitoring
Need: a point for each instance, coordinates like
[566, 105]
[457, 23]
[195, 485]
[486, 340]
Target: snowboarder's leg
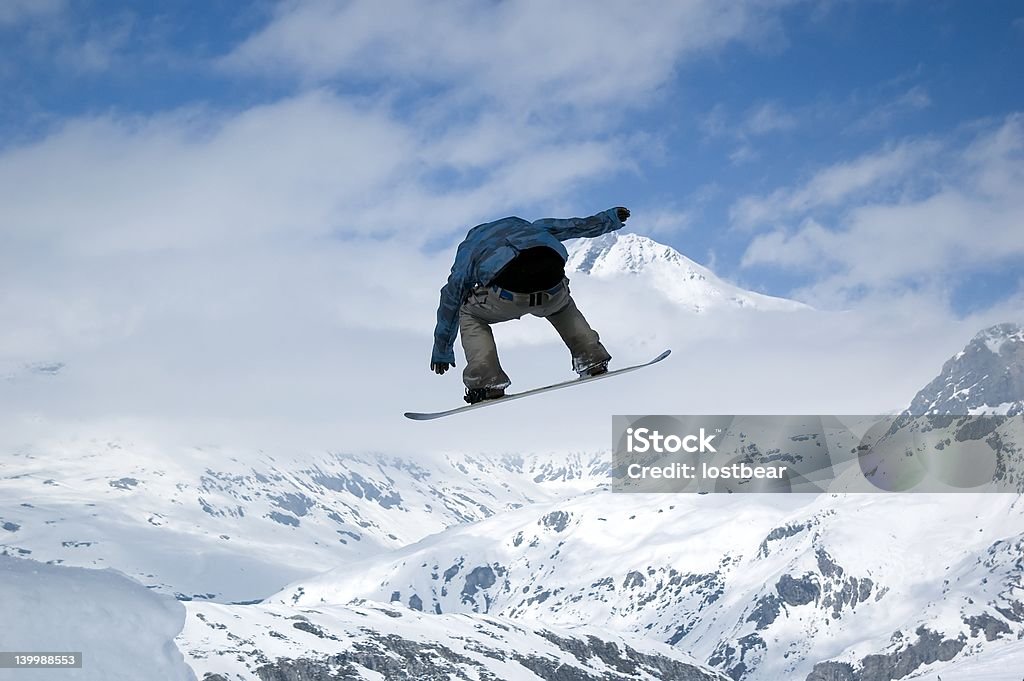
[483, 370]
[582, 341]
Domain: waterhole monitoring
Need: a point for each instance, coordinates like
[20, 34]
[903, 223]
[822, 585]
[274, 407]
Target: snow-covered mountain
[634, 258]
[986, 377]
[465, 566]
[760, 588]
[839, 587]
[233, 525]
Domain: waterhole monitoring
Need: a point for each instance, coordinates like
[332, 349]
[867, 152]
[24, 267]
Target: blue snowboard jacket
[487, 248]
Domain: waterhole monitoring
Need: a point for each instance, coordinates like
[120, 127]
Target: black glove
[623, 213]
[440, 367]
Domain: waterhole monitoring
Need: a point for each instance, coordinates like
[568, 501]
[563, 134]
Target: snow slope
[124, 632]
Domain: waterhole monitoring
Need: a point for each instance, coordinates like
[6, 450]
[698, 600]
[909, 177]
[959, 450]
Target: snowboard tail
[428, 416]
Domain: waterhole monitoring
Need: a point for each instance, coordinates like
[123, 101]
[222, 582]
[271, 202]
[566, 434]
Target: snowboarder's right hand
[440, 367]
[622, 213]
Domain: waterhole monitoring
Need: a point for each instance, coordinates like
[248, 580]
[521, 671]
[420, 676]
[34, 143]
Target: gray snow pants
[491, 305]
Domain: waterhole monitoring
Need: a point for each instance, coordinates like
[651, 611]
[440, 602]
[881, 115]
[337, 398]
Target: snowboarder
[504, 270]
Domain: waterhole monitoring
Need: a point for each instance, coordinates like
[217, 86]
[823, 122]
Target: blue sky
[260, 194]
[799, 88]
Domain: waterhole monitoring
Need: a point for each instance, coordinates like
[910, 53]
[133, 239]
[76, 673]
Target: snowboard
[418, 416]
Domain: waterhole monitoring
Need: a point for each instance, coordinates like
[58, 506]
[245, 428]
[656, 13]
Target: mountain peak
[664, 269]
[616, 253]
[986, 377]
[1008, 334]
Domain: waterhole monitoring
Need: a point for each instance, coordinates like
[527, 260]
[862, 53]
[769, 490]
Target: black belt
[535, 298]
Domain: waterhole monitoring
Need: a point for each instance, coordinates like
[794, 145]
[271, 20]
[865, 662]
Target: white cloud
[882, 115]
[521, 54]
[880, 246]
[759, 120]
[859, 111]
[56, 37]
[100, 47]
[768, 117]
[834, 185]
[800, 250]
[298, 168]
[716, 122]
[664, 220]
[742, 154]
[14, 12]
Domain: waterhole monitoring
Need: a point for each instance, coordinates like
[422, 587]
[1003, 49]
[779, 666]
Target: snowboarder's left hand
[440, 367]
[622, 213]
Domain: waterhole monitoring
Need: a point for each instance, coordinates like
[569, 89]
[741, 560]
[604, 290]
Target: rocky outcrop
[929, 647]
[373, 640]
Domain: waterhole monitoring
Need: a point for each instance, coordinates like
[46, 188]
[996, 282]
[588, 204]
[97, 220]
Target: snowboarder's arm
[452, 295]
[575, 228]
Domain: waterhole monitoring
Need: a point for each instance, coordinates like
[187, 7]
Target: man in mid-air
[504, 270]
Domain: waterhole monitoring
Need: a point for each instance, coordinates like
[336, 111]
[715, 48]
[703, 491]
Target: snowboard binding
[474, 395]
[595, 370]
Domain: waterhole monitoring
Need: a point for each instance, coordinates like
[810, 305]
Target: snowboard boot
[474, 395]
[595, 370]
